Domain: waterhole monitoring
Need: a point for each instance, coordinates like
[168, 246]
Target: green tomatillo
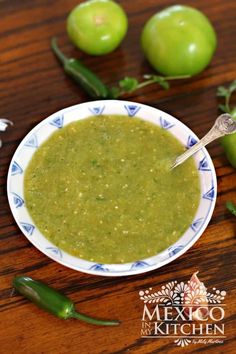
[179, 40]
[97, 27]
[228, 141]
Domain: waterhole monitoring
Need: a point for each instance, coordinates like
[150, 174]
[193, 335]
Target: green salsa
[101, 189]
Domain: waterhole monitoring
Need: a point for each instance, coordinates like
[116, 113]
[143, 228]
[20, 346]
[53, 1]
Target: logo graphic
[185, 312]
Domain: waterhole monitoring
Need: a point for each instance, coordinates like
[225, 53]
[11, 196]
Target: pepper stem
[80, 316]
[57, 51]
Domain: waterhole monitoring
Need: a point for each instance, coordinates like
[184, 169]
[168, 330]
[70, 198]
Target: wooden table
[32, 87]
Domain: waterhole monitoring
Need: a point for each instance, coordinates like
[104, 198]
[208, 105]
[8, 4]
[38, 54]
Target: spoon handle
[223, 125]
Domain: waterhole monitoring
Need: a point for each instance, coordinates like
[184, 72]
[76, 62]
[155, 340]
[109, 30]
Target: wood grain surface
[32, 86]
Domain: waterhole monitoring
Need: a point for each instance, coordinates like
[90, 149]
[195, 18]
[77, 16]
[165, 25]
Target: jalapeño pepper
[89, 81]
[52, 301]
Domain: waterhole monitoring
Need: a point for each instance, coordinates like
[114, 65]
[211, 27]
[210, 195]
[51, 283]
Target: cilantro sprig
[131, 84]
[226, 93]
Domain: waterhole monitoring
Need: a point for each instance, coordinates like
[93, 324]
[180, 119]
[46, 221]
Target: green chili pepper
[89, 81]
[228, 141]
[52, 301]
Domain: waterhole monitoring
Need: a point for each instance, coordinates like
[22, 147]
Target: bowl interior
[56, 121]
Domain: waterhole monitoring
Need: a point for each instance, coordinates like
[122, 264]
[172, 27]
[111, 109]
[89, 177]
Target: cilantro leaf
[222, 91]
[128, 84]
[224, 108]
[232, 86]
[226, 93]
[231, 207]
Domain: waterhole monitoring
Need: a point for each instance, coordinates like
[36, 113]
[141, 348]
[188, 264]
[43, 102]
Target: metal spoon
[223, 125]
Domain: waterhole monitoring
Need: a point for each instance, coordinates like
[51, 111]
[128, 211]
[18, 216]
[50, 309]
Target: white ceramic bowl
[59, 119]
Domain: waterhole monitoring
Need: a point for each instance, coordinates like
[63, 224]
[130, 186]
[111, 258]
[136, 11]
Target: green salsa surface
[101, 189]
